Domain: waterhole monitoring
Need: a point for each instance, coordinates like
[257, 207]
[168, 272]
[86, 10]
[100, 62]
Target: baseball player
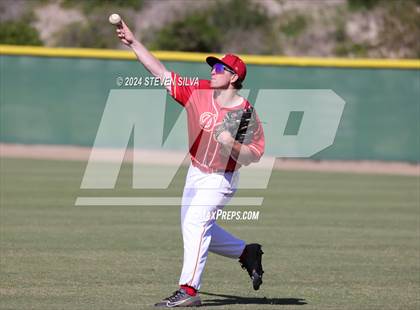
[220, 143]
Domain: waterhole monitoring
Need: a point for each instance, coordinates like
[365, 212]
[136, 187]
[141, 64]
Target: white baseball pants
[204, 194]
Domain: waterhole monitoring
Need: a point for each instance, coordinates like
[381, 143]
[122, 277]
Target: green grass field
[331, 241]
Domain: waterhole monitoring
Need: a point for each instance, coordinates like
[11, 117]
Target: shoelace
[171, 295]
[175, 295]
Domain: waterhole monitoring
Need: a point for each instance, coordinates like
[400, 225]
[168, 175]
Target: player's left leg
[250, 256]
[225, 244]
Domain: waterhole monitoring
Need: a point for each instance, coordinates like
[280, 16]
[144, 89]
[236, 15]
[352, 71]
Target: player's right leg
[179, 298]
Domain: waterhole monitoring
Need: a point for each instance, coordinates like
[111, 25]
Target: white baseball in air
[115, 19]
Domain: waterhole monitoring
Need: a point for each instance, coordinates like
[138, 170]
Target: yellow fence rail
[200, 57]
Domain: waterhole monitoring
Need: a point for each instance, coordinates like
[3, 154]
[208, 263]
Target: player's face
[220, 76]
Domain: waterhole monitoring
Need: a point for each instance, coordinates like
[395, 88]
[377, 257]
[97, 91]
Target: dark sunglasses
[220, 68]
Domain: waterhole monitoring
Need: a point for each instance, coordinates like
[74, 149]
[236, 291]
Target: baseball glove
[241, 124]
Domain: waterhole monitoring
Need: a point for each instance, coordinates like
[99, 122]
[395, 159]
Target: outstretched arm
[150, 62]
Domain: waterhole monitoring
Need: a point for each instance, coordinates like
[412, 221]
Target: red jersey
[203, 114]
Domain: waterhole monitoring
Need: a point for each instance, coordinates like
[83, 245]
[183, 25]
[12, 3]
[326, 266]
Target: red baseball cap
[232, 61]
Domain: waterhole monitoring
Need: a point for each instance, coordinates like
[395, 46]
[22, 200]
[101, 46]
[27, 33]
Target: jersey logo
[207, 121]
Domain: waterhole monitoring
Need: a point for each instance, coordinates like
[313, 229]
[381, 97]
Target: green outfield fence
[57, 96]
